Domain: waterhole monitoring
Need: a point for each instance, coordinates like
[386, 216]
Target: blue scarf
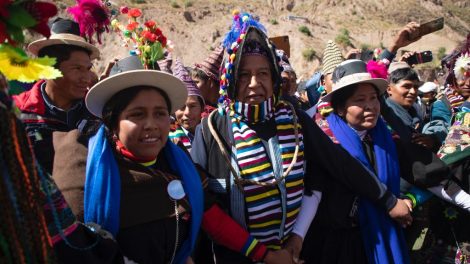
[383, 238]
[103, 188]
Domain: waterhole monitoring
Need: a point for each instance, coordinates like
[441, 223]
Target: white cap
[428, 87]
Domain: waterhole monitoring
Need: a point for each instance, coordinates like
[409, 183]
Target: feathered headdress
[93, 16]
[450, 60]
[232, 40]
[462, 67]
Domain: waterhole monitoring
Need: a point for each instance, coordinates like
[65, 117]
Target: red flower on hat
[150, 24]
[132, 26]
[134, 12]
[149, 36]
[162, 39]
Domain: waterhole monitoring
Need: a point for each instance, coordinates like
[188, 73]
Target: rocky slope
[196, 26]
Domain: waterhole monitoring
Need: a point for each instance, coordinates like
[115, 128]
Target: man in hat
[189, 115]
[206, 77]
[57, 105]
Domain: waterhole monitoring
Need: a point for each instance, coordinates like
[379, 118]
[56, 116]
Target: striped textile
[178, 136]
[455, 99]
[271, 210]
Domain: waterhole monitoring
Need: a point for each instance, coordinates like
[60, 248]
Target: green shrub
[273, 21]
[309, 54]
[305, 30]
[188, 3]
[441, 53]
[174, 4]
[343, 38]
[138, 1]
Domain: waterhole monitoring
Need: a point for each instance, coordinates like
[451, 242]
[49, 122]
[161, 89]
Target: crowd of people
[232, 160]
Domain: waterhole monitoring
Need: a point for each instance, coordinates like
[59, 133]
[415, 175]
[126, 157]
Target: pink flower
[124, 9]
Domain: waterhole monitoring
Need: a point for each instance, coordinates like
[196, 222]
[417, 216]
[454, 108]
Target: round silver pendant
[175, 190]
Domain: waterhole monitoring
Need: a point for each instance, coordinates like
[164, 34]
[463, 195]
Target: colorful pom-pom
[242, 36]
[235, 12]
[245, 18]
[232, 57]
[234, 45]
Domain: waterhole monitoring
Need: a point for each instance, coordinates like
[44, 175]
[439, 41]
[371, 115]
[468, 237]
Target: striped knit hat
[210, 66]
[182, 73]
[331, 57]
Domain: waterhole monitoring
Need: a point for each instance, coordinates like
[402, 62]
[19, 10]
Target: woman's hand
[401, 213]
[294, 245]
[281, 256]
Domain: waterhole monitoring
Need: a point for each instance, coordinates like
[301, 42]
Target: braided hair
[24, 236]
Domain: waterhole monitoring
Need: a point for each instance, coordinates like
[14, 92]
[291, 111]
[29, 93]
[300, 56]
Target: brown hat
[331, 57]
[210, 66]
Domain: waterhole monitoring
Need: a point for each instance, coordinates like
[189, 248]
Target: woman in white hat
[139, 186]
[353, 229]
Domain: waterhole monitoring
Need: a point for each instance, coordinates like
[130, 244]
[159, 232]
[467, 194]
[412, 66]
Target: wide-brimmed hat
[64, 32]
[129, 72]
[352, 72]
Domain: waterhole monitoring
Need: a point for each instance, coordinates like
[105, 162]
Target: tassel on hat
[182, 73]
[210, 66]
[332, 57]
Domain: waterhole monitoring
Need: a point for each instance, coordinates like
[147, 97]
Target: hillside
[196, 26]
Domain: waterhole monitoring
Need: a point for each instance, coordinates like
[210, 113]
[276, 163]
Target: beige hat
[64, 31]
[331, 57]
[397, 66]
[352, 72]
[129, 72]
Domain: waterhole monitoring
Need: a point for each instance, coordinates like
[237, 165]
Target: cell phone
[365, 55]
[428, 27]
[418, 58]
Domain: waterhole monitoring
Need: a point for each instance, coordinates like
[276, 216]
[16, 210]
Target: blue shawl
[103, 188]
[383, 238]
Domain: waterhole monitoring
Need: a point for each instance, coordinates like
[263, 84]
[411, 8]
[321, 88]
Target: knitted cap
[210, 66]
[331, 57]
[182, 73]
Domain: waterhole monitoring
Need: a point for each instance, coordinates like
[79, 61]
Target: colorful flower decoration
[16, 65]
[147, 40]
[93, 16]
[16, 16]
[232, 40]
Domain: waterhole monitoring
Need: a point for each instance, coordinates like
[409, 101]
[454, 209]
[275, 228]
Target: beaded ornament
[232, 41]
